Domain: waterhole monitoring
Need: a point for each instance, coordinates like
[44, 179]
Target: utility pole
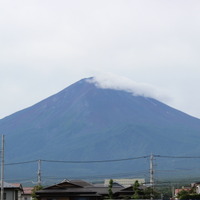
[39, 172]
[2, 168]
[151, 170]
[151, 174]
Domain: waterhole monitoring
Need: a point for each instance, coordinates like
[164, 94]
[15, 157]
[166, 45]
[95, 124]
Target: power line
[95, 161]
[74, 162]
[130, 174]
[29, 179]
[181, 157]
[20, 163]
[104, 161]
[150, 157]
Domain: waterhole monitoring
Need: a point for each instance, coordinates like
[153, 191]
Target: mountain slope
[83, 122]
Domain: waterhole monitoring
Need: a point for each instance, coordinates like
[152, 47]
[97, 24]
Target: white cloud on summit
[110, 81]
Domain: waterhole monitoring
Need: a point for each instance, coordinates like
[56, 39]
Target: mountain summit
[84, 122]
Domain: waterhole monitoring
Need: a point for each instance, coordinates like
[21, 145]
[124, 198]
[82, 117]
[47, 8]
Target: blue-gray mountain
[83, 122]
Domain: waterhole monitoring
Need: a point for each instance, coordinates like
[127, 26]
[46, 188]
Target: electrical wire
[96, 161]
[20, 163]
[104, 161]
[181, 157]
[128, 174]
[103, 175]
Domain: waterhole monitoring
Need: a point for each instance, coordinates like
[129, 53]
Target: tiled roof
[70, 191]
[16, 184]
[179, 190]
[27, 190]
[104, 190]
[11, 185]
[79, 187]
[80, 183]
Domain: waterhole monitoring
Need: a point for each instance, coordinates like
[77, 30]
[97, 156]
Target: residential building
[12, 191]
[27, 191]
[81, 190]
[176, 191]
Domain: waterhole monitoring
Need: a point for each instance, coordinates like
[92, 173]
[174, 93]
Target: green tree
[164, 192]
[150, 192]
[143, 192]
[110, 192]
[182, 194]
[188, 194]
[136, 190]
[34, 190]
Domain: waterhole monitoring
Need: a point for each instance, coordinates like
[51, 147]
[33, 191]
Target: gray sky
[46, 45]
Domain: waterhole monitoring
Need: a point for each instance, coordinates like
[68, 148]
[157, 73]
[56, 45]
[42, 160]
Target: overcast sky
[46, 45]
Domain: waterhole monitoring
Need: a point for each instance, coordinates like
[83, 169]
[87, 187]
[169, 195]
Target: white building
[125, 182]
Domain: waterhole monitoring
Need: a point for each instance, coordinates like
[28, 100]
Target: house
[27, 191]
[196, 187]
[12, 191]
[176, 191]
[80, 190]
